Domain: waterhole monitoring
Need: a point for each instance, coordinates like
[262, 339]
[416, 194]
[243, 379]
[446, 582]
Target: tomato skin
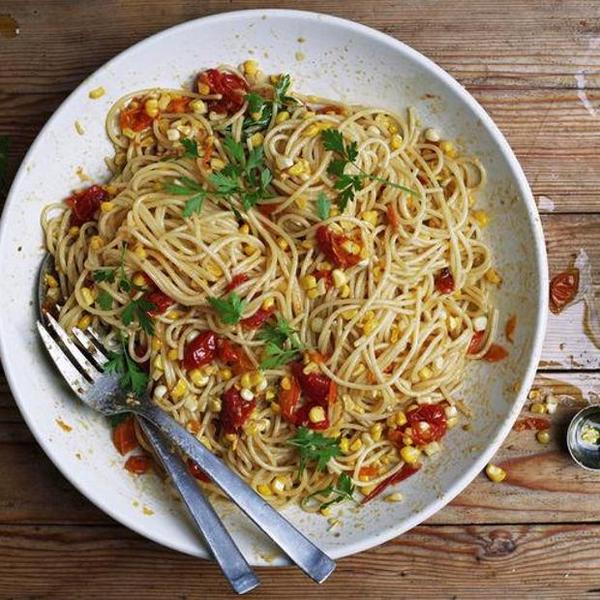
[134, 117]
[511, 325]
[393, 216]
[235, 411]
[196, 471]
[405, 472]
[532, 423]
[138, 464]
[288, 401]
[124, 436]
[563, 289]
[178, 105]
[368, 471]
[329, 109]
[325, 275]
[84, 204]
[476, 343]
[432, 414]
[234, 356]
[161, 302]
[231, 87]
[267, 209]
[302, 418]
[331, 245]
[444, 281]
[495, 353]
[201, 350]
[315, 386]
[236, 281]
[257, 319]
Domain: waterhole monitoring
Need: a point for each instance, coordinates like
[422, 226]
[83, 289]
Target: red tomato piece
[267, 209]
[405, 472]
[495, 353]
[315, 386]
[134, 117]
[393, 216]
[201, 350]
[368, 471]
[302, 418]
[435, 417]
[138, 464]
[326, 275]
[288, 401]
[207, 149]
[161, 302]
[124, 436]
[257, 319]
[231, 87]
[563, 289]
[511, 325]
[476, 343]
[234, 356]
[532, 423]
[444, 281]
[196, 471]
[330, 109]
[235, 411]
[84, 204]
[178, 105]
[236, 281]
[331, 245]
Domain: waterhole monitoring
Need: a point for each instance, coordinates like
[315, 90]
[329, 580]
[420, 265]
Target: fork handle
[315, 563]
[233, 564]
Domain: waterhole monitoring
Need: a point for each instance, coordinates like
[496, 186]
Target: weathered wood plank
[551, 561]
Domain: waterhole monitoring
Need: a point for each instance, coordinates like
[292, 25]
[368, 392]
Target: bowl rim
[102, 500]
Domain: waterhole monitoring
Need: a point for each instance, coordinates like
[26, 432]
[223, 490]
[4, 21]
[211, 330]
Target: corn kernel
[139, 280]
[50, 281]
[447, 147]
[425, 373]
[301, 202]
[264, 489]
[172, 354]
[97, 93]
[157, 363]
[198, 107]
[298, 168]
[140, 252]
[286, 383]
[129, 133]
[216, 164]
[179, 389]
[494, 473]
[244, 229]
[282, 116]
[538, 408]
[543, 437]
[245, 380]
[308, 282]
[400, 418]
[410, 454]
[88, 296]
[493, 276]
[348, 315]
[282, 243]
[106, 207]
[225, 374]
[345, 445]
[270, 394]
[278, 485]
[312, 294]
[481, 217]
[311, 130]
[351, 247]
[367, 489]
[345, 291]
[396, 142]
[84, 322]
[203, 89]
[326, 511]
[96, 242]
[432, 448]
[339, 278]
[257, 140]
[214, 269]
[248, 249]
[256, 378]
[370, 216]
[173, 315]
[316, 414]
[356, 445]
[156, 344]
[394, 497]
[250, 67]
[369, 326]
[376, 431]
[151, 108]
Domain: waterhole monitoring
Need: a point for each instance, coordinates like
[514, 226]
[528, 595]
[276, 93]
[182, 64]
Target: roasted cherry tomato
[331, 109]
[134, 117]
[476, 343]
[231, 87]
[235, 411]
[236, 281]
[436, 423]
[534, 423]
[201, 350]
[124, 436]
[84, 204]
[444, 281]
[563, 289]
[327, 276]
[392, 216]
[161, 302]
[267, 209]
[495, 353]
[178, 105]
[315, 386]
[288, 401]
[234, 356]
[368, 471]
[196, 471]
[332, 245]
[257, 319]
[138, 464]
[405, 471]
[511, 325]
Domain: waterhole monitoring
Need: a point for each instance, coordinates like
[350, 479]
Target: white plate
[326, 56]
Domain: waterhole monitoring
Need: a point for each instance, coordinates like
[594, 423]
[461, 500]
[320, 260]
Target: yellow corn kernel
[244, 229]
[345, 445]
[312, 294]
[345, 291]
[351, 247]
[246, 381]
[348, 315]
[493, 276]
[494, 473]
[396, 142]
[248, 249]
[79, 127]
[367, 489]
[538, 408]
[282, 116]
[216, 164]
[311, 130]
[278, 485]
[256, 377]
[97, 93]
[50, 281]
[425, 373]
[157, 363]
[356, 445]
[250, 67]
[203, 89]
[156, 344]
[370, 216]
[286, 383]
[251, 428]
[448, 148]
[180, 388]
[214, 269]
[268, 303]
[376, 431]
[84, 322]
[205, 442]
[257, 140]
[301, 202]
[275, 408]
[129, 133]
[301, 166]
[139, 280]
[172, 354]
[369, 326]
[198, 107]
[394, 497]
[316, 414]
[231, 437]
[264, 489]
[73, 230]
[173, 315]
[106, 207]
[393, 128]
[225, 374]
[282, 243]
[308, 282]
[410, 454]
[96, 242]
[543, 437]
[326, 511]
[151, 108]
[215, 405]
[270, 394]
[481, 217]
[140, 252]
[400, 418]
[309, 114]
[88, 296]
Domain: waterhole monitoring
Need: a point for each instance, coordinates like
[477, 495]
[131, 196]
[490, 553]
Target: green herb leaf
[313, 446]
[133, 379]
[191, 148]
[348, 186]
[276, 357]
[342, 490]
[255, 103]
[323, 206]
[138, 310]
[184, 186]
[104, 275]
[224, 183]
[282, 344]
[281, 89]
[194, 205]
[105, 300]
[229, 309]
[278, 333]
[235, 151]
[333, 140]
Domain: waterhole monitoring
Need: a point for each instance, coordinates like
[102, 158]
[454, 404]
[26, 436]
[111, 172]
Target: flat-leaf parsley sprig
[229, 309]
[282, 344]
[133, 379]
[313, 446]
[343, 489]
[348, 184]
[184, 186]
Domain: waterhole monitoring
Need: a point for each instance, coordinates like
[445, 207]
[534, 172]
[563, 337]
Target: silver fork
[102, 392]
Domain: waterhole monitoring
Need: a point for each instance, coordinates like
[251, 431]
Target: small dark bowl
[585, 454]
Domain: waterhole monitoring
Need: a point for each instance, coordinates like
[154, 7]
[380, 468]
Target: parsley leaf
[184, 186]
[235, 151]
[139, 309]
[229, 309]
[314, 446]
[193, 205]
[133, 379]
[278, 333]
[276, 357]
[255, 103]
[191, 148]
[281, 89]
[105, 300]
[225, 183]
[104, 275]
[348, 186]
[333, 140]
[282, 344]
[323, 206]
[342, 490]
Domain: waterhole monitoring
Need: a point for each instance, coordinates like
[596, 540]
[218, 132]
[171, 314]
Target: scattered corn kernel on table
[536, 69]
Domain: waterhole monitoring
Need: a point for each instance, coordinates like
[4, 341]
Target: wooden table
[535, 67]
